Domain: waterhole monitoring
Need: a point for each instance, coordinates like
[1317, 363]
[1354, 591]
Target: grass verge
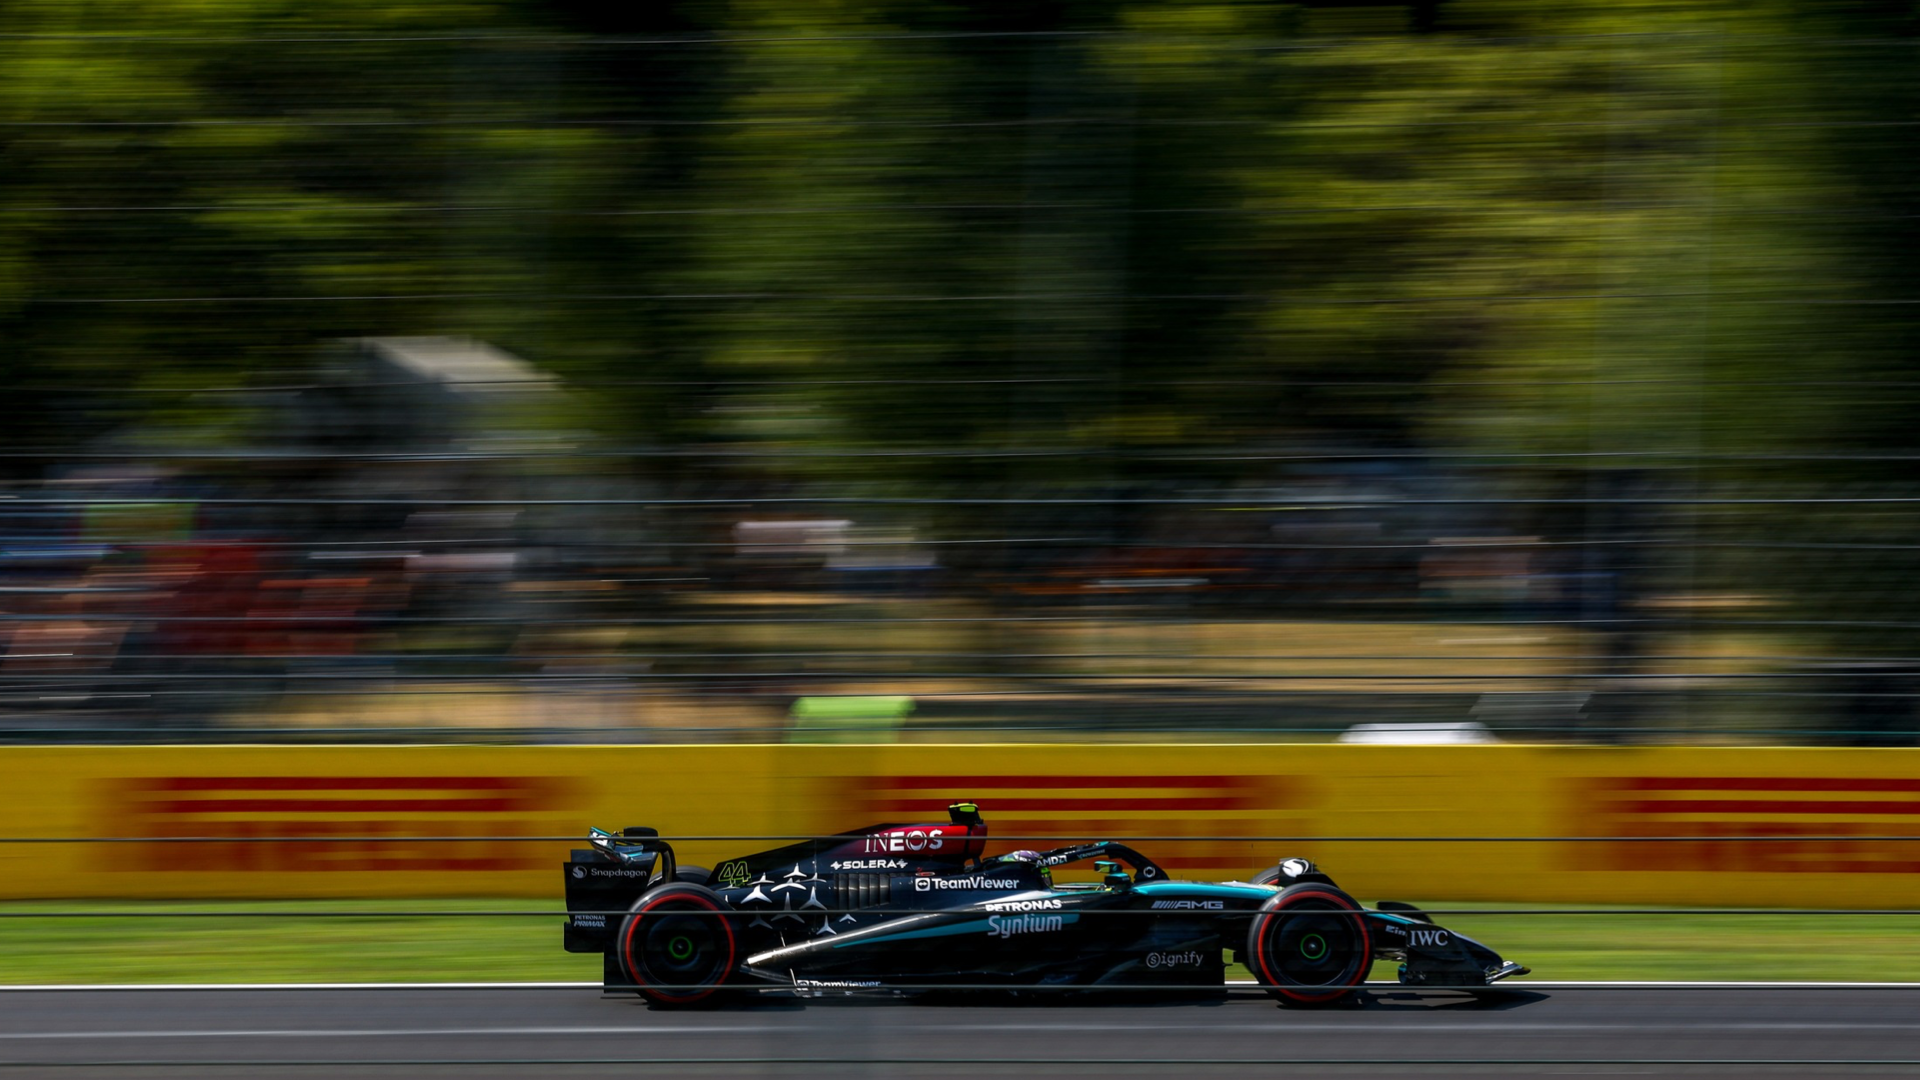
[362, 941]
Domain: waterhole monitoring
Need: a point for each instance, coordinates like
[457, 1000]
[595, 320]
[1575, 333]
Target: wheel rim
[682, 947]
[679, 949]
[1315, 943]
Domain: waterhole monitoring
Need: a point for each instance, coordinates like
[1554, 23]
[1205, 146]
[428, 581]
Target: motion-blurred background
[747, 370]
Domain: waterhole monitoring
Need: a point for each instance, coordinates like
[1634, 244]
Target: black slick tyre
[1310, 946]
[678, 945]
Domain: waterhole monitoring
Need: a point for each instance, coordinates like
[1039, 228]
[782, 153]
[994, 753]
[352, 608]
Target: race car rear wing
[607, 878]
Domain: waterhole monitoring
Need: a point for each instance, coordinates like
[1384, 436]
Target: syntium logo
[1005, 926]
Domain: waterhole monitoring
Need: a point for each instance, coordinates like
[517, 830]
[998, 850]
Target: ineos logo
[1436, 938]
[906, 840]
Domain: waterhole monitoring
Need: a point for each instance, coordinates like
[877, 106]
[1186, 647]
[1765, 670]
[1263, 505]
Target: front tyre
[678, 946]
[1309, 945]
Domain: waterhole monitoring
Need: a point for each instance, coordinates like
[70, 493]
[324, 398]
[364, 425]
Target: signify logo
[1005, 926]
[1173, 959]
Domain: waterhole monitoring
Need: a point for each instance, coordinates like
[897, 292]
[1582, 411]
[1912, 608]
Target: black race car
[904, 907]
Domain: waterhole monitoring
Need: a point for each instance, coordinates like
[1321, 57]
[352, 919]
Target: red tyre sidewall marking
[1359, 975]
[633, 969]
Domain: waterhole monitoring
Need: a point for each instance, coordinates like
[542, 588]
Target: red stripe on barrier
[488, 805]
[1066, 804]
[1769, 806]
[340, 783]
[956, 784]
[1766, 783]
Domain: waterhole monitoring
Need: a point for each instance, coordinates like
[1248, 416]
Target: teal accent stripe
[1190, 889]
[971, 926]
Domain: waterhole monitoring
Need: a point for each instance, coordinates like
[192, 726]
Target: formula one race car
[904, 907]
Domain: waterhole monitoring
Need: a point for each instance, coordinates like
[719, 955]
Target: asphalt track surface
[569, 1032]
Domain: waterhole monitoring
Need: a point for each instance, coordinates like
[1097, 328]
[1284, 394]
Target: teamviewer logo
[923, 884]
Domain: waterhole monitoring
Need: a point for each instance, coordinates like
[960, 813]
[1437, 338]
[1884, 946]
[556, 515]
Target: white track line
[1508, 984]
[1448, 1027]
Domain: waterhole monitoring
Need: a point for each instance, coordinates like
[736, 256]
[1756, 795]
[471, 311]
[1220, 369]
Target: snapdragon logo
[623, 872]
[1024, 905]
[1005, 926]
[579, 872]
[1159, 960]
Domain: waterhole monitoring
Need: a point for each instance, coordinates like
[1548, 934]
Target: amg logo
[1189, 905]
[1005, 926]
[1024, 905]
[1434, 938]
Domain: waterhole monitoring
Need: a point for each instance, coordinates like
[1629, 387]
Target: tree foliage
[1099, 229]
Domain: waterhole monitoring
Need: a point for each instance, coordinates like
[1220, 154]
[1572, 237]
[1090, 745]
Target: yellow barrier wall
[1729, 799]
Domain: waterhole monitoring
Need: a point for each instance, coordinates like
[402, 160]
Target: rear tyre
[678, 946]
[1310, 946]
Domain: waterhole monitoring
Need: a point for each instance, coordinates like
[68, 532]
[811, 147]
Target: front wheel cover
[1305, 957]
[678, 946]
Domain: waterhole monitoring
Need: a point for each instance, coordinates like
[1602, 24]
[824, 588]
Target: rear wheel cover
[678, 945]
[1317, 952]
